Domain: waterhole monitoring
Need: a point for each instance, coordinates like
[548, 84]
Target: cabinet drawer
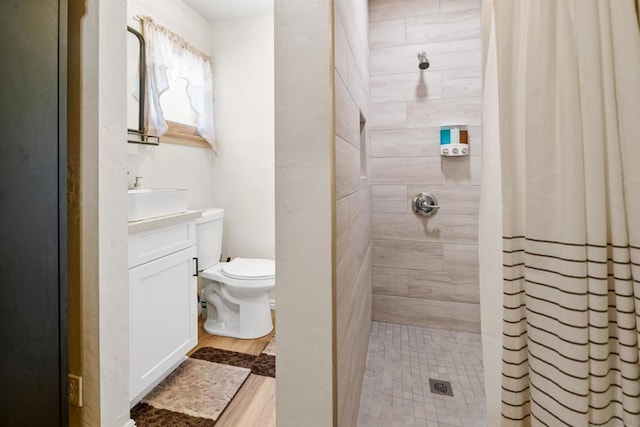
[153, 244]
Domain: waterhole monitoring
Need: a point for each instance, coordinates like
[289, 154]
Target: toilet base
[213, 327]
[244, 318]
[236, 308]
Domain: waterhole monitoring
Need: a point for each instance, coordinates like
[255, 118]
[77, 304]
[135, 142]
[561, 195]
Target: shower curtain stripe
[570, 347]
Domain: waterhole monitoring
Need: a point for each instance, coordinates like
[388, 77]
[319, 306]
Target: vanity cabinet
[162, 303]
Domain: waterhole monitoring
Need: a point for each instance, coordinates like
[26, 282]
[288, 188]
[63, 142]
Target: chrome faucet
[138, 182]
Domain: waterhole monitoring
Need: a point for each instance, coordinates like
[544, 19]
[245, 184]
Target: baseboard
[272, 304]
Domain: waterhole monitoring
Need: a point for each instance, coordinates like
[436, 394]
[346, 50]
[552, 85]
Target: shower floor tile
[400, 362]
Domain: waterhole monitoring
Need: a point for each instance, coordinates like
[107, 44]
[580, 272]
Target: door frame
[63, 258]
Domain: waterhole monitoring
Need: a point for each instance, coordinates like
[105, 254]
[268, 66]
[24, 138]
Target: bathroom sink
[145, 203]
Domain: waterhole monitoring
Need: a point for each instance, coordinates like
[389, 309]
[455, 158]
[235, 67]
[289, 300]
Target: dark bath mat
[264, 365]
[227, 357]
[147, 416]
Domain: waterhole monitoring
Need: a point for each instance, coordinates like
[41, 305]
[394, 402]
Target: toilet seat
[249, 269]
[242, 278]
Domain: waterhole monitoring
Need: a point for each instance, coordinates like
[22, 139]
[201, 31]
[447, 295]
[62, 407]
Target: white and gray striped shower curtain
[562, 89]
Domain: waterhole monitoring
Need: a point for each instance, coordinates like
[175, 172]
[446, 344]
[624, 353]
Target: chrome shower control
[425, 204]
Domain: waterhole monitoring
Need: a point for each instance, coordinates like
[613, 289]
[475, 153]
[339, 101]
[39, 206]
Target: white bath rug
[198, 388]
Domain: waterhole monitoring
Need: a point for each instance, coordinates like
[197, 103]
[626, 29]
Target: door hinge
[75, 390]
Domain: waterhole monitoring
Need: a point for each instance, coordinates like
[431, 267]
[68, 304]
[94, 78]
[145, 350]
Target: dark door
[33, 331]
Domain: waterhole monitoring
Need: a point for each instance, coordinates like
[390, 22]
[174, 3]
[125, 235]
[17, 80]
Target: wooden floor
[255, 403]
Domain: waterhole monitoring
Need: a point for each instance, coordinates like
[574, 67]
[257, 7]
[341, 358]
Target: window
[176, 105]
[176, 108]
[179, 86]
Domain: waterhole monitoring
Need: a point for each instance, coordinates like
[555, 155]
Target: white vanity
[163, 315]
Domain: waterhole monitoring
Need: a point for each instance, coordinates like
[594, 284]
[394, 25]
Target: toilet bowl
[236, 292]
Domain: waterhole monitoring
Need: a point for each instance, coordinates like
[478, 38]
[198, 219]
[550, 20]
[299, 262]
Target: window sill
[182, 139]
[182, 134]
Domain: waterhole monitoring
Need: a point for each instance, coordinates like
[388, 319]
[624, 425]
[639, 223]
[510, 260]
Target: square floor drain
[440, 387]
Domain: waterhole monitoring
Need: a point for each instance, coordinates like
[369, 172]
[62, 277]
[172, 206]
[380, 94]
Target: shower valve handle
[425, 204]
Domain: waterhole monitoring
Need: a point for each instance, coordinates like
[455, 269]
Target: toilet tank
[209, 237]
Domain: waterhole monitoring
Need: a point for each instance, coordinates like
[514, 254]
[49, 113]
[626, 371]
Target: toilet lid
[250, 268]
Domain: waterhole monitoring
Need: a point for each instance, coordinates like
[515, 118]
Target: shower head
[424, 61]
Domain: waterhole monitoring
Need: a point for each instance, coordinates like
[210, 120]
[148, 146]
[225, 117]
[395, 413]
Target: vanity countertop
[161, 221]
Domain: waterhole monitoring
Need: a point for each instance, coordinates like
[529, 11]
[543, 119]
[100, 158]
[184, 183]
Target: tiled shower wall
[425, 272]
[353, 204]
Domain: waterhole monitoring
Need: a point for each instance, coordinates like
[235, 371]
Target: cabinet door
[163, 317]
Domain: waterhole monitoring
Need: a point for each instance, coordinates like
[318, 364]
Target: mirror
[136, 81]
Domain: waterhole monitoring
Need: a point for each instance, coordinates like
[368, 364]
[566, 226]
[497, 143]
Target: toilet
[236, 292]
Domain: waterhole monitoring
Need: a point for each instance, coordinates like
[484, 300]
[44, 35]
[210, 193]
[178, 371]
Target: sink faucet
[138, 182]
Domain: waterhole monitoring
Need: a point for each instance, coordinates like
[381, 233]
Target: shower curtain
[562, 118]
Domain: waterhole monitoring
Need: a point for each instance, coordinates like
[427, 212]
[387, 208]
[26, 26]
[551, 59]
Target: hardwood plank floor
[233, 344]
[254, 405]
[255, 402]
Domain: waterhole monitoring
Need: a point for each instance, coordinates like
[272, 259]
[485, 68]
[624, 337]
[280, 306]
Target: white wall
[304, 213]
[103, 211]
[243, 171]
[171, 165]
[175, 15]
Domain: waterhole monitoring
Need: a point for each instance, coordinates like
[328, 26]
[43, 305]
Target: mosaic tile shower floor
[400, 362]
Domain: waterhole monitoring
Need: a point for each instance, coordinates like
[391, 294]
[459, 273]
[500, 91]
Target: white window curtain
[170, 56]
